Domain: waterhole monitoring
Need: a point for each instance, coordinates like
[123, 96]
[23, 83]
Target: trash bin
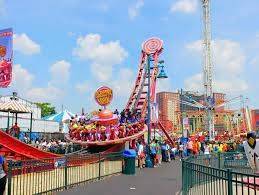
[129, 166]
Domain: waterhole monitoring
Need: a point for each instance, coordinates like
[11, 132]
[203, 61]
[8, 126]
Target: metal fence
[226, 173]
[46, 176]
[237, 161]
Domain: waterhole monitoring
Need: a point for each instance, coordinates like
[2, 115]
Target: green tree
[46, 109]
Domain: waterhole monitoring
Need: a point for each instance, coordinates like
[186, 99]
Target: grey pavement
[163, 180]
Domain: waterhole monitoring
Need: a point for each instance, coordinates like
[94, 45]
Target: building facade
[168, 109]
[172, 109]
[219, 99]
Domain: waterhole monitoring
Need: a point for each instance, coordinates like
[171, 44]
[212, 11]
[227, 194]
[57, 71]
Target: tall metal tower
[207, 68]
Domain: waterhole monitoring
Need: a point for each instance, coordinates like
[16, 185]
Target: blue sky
[66, 49]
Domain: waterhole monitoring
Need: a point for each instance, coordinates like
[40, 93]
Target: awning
[14, 106]
[64, 116]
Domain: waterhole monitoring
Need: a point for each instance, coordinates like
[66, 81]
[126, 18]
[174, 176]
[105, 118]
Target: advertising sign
[103, 96]
[6, 57]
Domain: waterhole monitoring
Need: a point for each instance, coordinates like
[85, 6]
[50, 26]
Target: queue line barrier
[223, 173]
[50, 175]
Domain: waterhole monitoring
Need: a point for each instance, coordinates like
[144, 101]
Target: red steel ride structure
[138, 100]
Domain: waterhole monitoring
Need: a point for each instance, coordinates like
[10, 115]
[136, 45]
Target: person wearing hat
[3, 171]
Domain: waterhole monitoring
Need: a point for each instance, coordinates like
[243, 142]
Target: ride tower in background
[207, 69]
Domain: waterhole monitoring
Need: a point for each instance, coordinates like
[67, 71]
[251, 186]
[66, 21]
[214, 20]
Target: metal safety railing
[223, 173]
[50, 175]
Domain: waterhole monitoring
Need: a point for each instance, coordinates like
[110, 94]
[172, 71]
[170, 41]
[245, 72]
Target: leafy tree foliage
[46, 109]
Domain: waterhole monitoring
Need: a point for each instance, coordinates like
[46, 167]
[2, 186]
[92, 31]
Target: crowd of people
[125, 124]
[57, 146]
[160, 151]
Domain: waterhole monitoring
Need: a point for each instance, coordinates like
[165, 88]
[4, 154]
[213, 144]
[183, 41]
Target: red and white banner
[6, 57]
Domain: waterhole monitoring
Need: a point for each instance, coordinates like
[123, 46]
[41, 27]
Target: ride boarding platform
[163, 180]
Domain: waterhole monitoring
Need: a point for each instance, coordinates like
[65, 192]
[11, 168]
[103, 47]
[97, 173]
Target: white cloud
[133, 10]
[185, 6]
[60, 71]
[2, 8]
[22, 78]
[82, 87]
[103, 56]
[229, 57]
[194, 83]
[124, 82]
[102, 72]
[164, 85]
[25, 45]
[48, 93]
[231, 86]
[228, 64]
[23, 83]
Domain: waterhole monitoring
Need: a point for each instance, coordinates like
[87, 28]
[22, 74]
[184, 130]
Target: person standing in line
[153, 153]
[207, 154]
[174, 151]
[3, 171]
[195, 147]
[189, 148]
[141, 155]
[159, 153]
[168, 153]
[181, 148]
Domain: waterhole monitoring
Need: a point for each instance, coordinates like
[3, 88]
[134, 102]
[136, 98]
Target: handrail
[215, 174]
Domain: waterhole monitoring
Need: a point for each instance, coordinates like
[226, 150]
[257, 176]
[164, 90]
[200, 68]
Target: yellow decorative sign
[2, 51]
[103, 96]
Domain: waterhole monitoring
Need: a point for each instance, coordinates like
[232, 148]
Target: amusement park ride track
[138, 101]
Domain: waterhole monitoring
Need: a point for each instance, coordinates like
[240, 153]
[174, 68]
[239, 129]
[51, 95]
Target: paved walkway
[164, 180]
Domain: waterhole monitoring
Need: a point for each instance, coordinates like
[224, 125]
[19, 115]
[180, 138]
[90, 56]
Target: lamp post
[161, 75]
[148, 100]
[181, 110]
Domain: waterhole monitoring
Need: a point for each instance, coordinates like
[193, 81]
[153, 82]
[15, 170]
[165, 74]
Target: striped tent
[61, 117]
[14, 106]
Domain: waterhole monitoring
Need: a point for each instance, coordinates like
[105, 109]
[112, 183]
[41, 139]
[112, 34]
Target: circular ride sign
[103, 96]
[152, 45]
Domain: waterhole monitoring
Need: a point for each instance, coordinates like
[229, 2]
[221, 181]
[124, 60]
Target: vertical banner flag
[6, 57]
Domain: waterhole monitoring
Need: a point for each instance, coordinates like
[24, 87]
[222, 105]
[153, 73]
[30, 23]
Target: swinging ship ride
[104, 129]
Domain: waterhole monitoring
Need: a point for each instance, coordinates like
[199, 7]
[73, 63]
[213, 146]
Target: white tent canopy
[61, 117]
